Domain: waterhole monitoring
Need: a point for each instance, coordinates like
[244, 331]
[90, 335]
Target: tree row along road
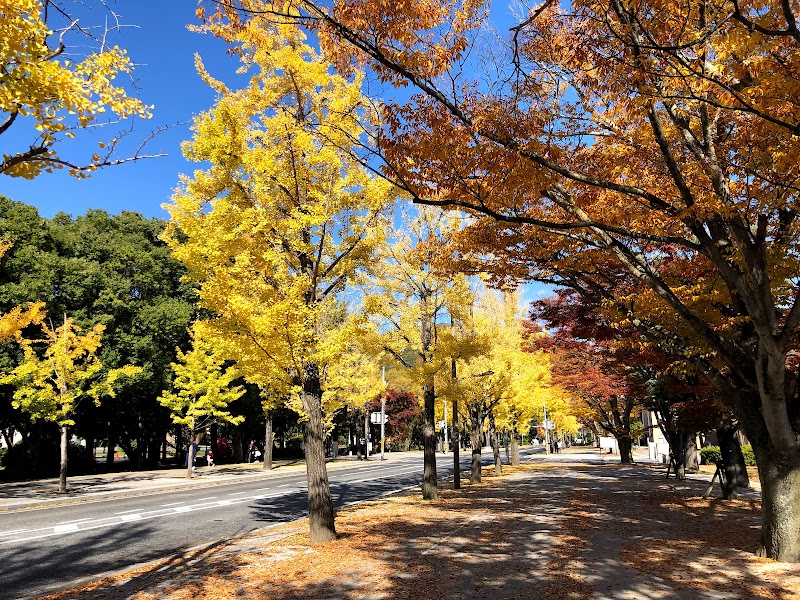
[48, 549]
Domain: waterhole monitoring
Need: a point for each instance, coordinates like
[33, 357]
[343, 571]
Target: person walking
[210, 457]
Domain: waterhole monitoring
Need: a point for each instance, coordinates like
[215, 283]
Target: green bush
[749, 457]
[711, 455]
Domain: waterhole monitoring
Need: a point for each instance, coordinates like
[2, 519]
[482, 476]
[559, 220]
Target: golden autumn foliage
[51, 386]
[56, 95]
[202, 387]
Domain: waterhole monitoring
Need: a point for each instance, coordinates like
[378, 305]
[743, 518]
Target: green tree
[104, 269]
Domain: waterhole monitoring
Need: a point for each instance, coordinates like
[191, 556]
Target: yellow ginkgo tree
[201, 390]
[52, 384]
[411, 303]
[277, 223]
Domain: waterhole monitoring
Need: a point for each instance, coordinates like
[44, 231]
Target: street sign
[441, 424]
[375, 418]
[549, 425]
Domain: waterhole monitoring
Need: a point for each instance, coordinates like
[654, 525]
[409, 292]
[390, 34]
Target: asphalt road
[48, 549]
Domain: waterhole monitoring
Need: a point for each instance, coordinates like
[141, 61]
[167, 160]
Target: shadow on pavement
[554, 531]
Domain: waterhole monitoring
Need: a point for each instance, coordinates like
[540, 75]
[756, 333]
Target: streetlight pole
[446, 442]
[383, 411]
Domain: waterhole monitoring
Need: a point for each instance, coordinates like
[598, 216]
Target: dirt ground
[548, 530]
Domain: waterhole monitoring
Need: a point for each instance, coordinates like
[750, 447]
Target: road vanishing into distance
[48, 549]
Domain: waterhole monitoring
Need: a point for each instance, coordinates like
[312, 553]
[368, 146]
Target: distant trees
[201, 390]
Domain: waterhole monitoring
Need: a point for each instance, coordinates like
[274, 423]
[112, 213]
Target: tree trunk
[214, 438]
[112, 447]
[780, 501]
[456, 443]
[625, 450]
[732, 462]
[320, 504]
[494, 441]
[238, 452]
[690, 458]
[178, 445]
[514, 449]
[268, 441]
[191, 450]
[429, 481]
[62, 476]
[476, 439]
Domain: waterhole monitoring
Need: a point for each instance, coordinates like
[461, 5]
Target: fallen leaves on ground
[536, 531]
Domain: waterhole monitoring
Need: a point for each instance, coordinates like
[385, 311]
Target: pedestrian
[558, 446]
[210, 457]
[250, 453]
[257, 455]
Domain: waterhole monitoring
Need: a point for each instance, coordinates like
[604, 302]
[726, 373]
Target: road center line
[124, 512]
[173, 503]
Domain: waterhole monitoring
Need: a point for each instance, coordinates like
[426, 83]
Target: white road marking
[13, 532]
[207, 499]
[127, 516]
[237, 493]
[74, 521]
[124, 512]
[284, 484]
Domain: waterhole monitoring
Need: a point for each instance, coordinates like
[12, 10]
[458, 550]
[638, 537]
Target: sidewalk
[568, 527]
[83, 488]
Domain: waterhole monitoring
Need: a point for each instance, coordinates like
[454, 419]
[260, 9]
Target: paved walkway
[567, 527]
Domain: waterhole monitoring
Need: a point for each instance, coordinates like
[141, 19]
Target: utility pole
[456, 439]
[383, 412]
[546, 431]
